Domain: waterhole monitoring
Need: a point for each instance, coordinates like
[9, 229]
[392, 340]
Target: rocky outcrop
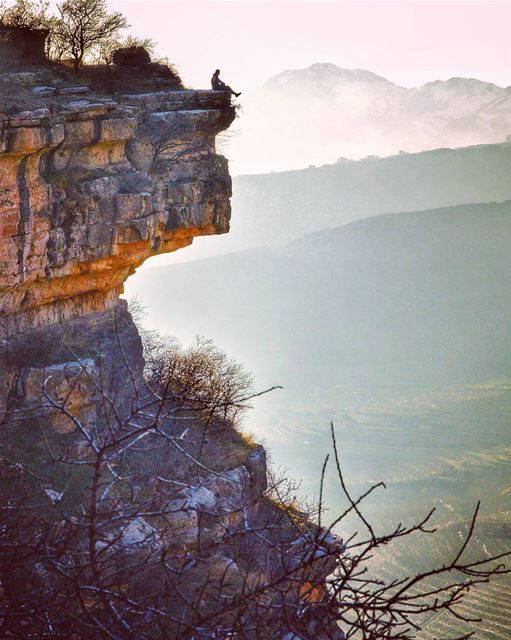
[89, 190]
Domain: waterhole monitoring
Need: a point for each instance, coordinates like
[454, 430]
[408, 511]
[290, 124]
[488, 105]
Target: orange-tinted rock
[91, 191]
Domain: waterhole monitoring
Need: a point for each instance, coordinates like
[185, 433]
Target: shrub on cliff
[134, 56]
[199, 378]
[105, 53]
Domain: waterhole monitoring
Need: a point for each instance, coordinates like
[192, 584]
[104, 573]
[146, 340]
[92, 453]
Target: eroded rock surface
[91, 187]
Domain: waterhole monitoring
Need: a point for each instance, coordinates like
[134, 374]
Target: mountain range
[318, 114]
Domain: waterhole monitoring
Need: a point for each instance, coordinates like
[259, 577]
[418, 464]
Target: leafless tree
[25, 14]
[123, 525]
[84, 26]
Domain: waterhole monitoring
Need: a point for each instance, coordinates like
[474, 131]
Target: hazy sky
[408, 42]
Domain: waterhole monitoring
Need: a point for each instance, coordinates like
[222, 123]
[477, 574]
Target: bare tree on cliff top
[25, 14]
[85, 25]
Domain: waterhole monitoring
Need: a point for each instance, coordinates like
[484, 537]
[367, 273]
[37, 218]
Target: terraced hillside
[445, 448]
[489, 604]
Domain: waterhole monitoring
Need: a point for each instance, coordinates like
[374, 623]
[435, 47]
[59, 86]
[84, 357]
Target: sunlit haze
[255, 346]
[407, 42]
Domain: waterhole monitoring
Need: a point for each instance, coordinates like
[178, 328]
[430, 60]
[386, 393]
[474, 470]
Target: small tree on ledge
[85, 25]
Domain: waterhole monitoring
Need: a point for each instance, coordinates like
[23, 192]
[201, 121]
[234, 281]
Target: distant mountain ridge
[276, 208]
[414, 297]
[317, 114]
[325, 70]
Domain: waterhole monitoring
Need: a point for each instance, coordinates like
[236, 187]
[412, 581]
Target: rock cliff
[89, 190]
[163, 508]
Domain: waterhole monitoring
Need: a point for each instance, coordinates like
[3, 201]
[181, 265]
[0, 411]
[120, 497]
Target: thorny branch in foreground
[140, 525]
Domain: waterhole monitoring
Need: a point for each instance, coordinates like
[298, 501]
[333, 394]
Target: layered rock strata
[90, 188]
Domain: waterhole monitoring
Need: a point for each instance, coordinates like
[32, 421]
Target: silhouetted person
[218, 85]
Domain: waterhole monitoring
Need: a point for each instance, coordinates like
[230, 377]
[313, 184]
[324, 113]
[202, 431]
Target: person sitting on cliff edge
[218, 85]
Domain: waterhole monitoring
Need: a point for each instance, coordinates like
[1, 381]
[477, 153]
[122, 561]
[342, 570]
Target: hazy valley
[396, 327]
[255, 346]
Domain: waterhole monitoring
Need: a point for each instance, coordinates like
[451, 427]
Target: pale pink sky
[408, 42]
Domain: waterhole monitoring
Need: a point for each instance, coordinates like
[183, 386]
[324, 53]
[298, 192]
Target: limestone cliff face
[90, 188]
